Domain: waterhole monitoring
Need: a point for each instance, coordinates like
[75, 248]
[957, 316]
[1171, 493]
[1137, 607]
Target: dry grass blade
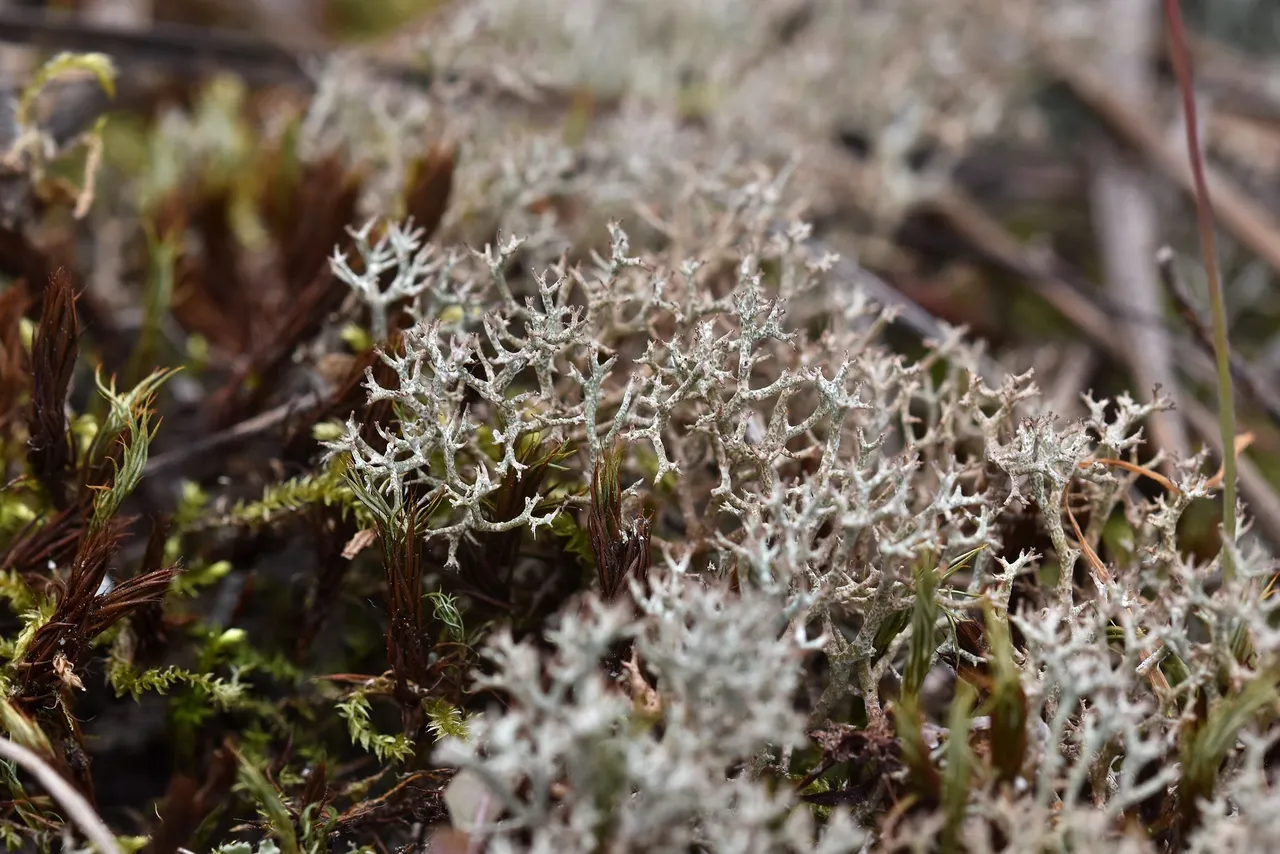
[1104, 575]
[1135, 469]
[1243, 441]
[1126, 223]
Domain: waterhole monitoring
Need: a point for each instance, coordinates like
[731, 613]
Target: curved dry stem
[78, 809]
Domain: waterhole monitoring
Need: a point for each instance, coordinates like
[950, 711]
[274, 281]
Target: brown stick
[1247, 221]
[1253, 388]
[242, 431]
[1126, 222]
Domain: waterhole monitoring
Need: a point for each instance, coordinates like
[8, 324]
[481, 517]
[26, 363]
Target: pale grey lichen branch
[414, 265]
[800, 475]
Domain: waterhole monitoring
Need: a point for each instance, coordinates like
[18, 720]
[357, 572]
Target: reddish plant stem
[1204, 213]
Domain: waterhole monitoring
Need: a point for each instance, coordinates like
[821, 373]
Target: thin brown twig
[1075, 363]
[1133, 468]
[1253, 388]
[1126, 220]
[1239, 214]
[1043, 272]
[183, 48]
[1208, 245]
[239, 432]
[1238, 84]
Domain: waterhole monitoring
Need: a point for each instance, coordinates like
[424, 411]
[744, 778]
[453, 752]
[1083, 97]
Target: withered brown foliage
[14, 372]
[187, 803]
[403, 562]
[53, 360]
[621, 548]
[428, 193]
[52, 540]
[86, 607]
[308, 224]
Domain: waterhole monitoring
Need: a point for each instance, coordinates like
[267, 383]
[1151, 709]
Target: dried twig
[1254, 388]
[1238, 84]
[1041, 270]
[1247, 221]
[247, 429]
[176, 47]
[1125, 218]
[1204, 216]
[1075, 363]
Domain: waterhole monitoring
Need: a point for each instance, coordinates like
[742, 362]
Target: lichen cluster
[538, 479]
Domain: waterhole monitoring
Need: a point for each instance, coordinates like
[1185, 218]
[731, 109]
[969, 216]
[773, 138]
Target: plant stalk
[1204, 213]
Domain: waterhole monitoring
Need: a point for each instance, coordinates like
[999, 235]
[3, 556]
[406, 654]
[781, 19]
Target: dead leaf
[358, 543]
